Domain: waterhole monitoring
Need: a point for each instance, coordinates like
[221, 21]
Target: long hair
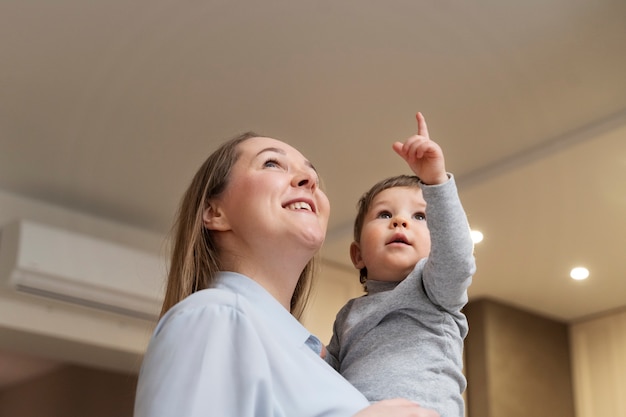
[365, 202]
[195, 256]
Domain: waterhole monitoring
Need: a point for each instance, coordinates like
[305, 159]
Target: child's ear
[214, 218]
[355, 255]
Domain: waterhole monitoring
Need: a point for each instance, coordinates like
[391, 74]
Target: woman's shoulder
[203, 303]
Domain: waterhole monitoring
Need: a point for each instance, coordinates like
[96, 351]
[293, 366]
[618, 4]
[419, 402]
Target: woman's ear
[355, 255]
[214, 218]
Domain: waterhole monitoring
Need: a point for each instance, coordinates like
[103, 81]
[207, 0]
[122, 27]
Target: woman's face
[273, 197]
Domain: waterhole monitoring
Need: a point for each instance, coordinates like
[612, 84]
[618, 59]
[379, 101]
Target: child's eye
[384, 215]
[419, 216]
[271, 163]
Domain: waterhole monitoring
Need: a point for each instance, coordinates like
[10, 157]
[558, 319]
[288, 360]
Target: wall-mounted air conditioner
[80, 269]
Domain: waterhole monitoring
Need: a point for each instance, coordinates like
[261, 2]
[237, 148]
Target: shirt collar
[266, 305]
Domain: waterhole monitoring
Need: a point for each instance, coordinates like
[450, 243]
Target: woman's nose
[305, 178]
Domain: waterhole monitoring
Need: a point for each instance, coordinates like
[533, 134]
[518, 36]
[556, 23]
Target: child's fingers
[398, 147]
[406, 150]
[416, 147]
[422, 129]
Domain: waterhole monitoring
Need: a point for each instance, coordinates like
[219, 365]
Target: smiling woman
[229, 342]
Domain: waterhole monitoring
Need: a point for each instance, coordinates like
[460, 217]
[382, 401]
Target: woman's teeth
[300, 205]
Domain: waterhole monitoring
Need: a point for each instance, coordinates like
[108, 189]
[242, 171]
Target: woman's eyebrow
[277, 150]
[282, 152]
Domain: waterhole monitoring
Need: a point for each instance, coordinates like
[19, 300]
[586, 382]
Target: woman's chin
[313, 239]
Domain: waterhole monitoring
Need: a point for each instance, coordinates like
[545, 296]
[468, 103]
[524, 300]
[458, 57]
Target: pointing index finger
[422, 129]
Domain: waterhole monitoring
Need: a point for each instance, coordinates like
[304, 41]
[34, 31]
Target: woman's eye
[271, 163]
[384, 215]
[419, 216]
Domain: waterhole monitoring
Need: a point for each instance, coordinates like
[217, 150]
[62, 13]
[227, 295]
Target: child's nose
[398, 221]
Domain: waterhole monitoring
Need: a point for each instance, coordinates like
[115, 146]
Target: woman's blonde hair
[195, 257]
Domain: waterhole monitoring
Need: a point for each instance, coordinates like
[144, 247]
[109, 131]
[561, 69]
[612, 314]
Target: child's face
[394, 235]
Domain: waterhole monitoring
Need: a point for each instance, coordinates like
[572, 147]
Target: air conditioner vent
[57, 264]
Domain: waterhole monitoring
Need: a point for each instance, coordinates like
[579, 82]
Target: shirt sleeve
[332, 349]
[205, 361]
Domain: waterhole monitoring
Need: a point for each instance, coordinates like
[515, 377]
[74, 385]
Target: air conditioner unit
[80, 269]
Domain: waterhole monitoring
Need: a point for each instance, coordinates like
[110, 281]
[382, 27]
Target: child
[413, 248]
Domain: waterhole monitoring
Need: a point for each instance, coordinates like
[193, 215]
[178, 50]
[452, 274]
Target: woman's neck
[279, 276]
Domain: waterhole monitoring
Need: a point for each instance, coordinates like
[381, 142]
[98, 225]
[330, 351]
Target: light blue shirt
[233, 350]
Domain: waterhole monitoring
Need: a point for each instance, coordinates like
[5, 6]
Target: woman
[228, 342]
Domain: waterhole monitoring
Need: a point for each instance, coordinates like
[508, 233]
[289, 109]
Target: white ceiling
[109, 107]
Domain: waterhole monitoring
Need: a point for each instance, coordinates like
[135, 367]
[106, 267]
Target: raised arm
[451, 263]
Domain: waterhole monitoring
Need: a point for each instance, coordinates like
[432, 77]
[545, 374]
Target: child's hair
[195, 255]
[365, 203]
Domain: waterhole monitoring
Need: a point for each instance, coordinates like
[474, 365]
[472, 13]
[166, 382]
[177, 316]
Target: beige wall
[517, 363]
[599, 365]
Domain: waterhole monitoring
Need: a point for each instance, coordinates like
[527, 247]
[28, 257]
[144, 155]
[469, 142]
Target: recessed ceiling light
[477, 237]
[579, 273]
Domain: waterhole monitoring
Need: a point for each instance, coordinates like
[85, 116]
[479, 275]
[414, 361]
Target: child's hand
[423, 155]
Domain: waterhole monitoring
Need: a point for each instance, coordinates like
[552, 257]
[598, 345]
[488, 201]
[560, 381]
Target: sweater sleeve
[186, 373]
[451, 264]
[333, 350]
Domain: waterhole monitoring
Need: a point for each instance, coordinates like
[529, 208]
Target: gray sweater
[406, 339]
